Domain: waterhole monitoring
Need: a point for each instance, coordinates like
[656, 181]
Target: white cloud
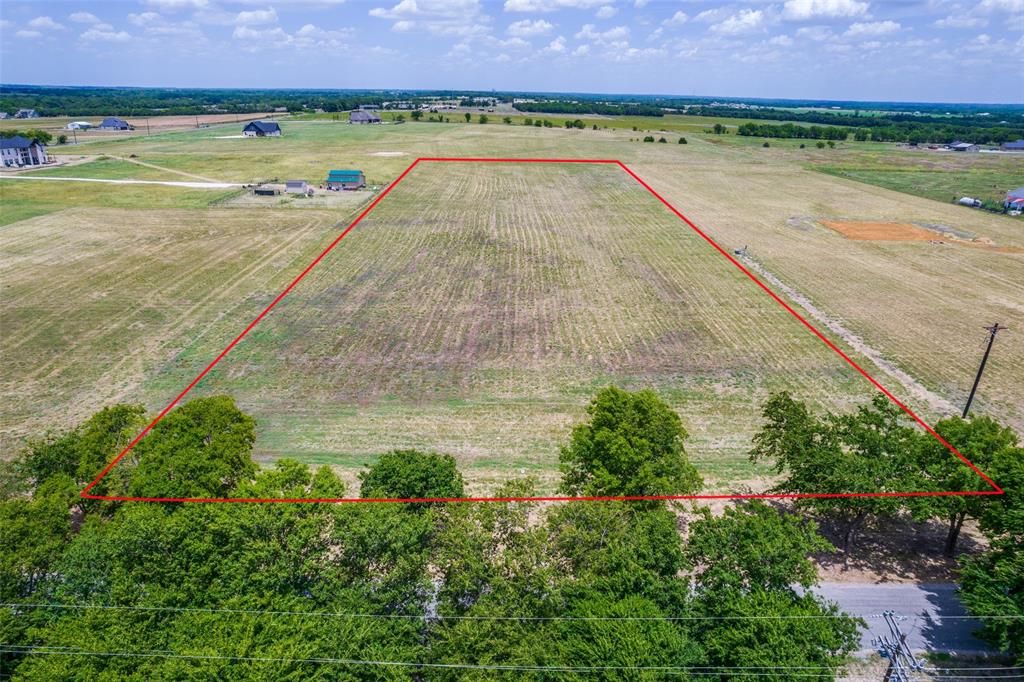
[581, 51]
[527, 28]
[145, 19]
[45, 24]
[960, 21]
[551, 5]
[871, 28]
[84, 18]
[403, 26]
[439, 17]
[801, 10]
[96, 35]
[710, 15]
[28, 34]
[590, 32]
[816, 33]
[606, 12]
[782, 41]
[640, 4]
[556, 46]
[174, 5]
[1010, 6]
[311, 36]
[256, 39]
[677, 19]
[745, 21]
[256, 17]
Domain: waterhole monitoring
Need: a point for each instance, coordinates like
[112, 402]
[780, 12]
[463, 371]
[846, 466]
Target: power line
[401, 616]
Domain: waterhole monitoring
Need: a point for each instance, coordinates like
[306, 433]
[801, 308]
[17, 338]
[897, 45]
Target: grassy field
[475, 312]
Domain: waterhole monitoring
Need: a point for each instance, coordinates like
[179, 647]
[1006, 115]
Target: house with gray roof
[262, 129]
[363, 117]
[114, 123]
[19, 151]
[1017, 146]
[1014, 199]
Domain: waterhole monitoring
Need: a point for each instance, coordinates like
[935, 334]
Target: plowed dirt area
[866, 230]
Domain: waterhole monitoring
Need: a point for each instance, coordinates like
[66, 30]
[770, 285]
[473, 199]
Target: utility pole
[902, 662]
[992, 331]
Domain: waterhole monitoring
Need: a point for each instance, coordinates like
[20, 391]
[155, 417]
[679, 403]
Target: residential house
[114, 123]
[4, 116]
[363, 117]
[20, 151]
[262, 129]
[1014, 199]
[27, 113]
[296, 187]
[345, 179]
[1017, 146]
[963, 147]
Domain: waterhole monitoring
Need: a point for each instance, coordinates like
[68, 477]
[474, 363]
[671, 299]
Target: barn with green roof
[345, 179]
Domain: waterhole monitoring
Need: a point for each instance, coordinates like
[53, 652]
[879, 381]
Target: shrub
[682, 140]
[766, 145]
[649, 138]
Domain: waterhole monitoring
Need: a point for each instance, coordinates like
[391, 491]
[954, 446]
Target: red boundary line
[996, 490]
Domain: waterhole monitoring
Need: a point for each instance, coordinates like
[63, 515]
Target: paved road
[170, 183]
[935, 617]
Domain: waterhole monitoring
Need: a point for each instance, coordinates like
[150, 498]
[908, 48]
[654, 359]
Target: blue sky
[924, 50]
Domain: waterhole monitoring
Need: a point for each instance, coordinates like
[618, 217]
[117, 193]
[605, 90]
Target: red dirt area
[866, 230]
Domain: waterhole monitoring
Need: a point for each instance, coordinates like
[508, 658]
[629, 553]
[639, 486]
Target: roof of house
[16, 142]
[1018, 144]
[294, 183]
[344, 175]
[264, 126]
[957, 145]
[1015, 193]
[112, 121]
[363, 116]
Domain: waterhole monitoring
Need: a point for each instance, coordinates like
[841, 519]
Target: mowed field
[479, 307]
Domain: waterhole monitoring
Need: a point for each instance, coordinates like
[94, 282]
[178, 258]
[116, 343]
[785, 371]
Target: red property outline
[996, 490]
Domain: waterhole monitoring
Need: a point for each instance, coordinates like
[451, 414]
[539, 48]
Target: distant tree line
[788, 130]
[917, 133]
[603, 108]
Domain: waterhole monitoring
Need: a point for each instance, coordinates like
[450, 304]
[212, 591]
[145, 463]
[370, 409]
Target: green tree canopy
[406, 474]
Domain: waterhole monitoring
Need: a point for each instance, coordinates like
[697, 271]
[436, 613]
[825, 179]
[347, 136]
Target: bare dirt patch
[866, 230]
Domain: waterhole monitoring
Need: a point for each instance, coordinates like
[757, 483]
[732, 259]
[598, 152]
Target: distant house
[963, 147]
[363, 117]
[79, 125]
[296, 187]
[1017, 146]
[345, 179]
[1014, 199]
[262, 129]
[114, 123]
[27, 113]
[4, 116]
[20, 151]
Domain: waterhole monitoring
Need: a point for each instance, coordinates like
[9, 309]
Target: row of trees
[908, 132]
[789, 130]
[590, 107]
[109, 590]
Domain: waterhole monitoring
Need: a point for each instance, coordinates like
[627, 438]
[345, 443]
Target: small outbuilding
[266, 191]
[363, 117]
[114, 123]
[1017, 146]
[262, 129]
[345, 179]
[1014, 199]
[78, 125]
[963, 147]
[296, 187]
[20, 151]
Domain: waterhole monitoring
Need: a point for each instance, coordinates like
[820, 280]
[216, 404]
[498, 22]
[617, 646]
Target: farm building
[363, 117]
[296, 187]
[27, 113]
[345, 179]
[262, 129]
[114, 123]
[963, 147]
[4, 116]
[1017, 146]
[21, 151]
[78, 125]
[1014, 199]
[266, 191]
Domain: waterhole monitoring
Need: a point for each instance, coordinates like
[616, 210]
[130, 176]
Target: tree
[662, 140]
[416, 114]
[548, 124]
[682, 140]
[649, 138]
[62, 139]
[631, 445]
[406, 474]
[595, 127]
[870, 451]
[201, 449]
[766, 145]
[719, 129]
[831, 144]
[468, 116]
[819, 144]
[482, 119]
[400, 118]
[984, 441]
[527, 121]
[507, 120]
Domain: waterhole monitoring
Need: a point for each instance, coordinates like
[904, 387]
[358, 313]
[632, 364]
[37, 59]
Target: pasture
[479, 307]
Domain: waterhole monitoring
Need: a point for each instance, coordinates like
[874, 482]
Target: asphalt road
[935, 618]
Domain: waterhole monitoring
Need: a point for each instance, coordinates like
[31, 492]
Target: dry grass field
[478, 308]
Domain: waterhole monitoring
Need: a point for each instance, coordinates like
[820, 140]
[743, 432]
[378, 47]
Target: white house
[20, 151]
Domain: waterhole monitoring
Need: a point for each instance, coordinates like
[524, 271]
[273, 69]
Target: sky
[889, 50]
